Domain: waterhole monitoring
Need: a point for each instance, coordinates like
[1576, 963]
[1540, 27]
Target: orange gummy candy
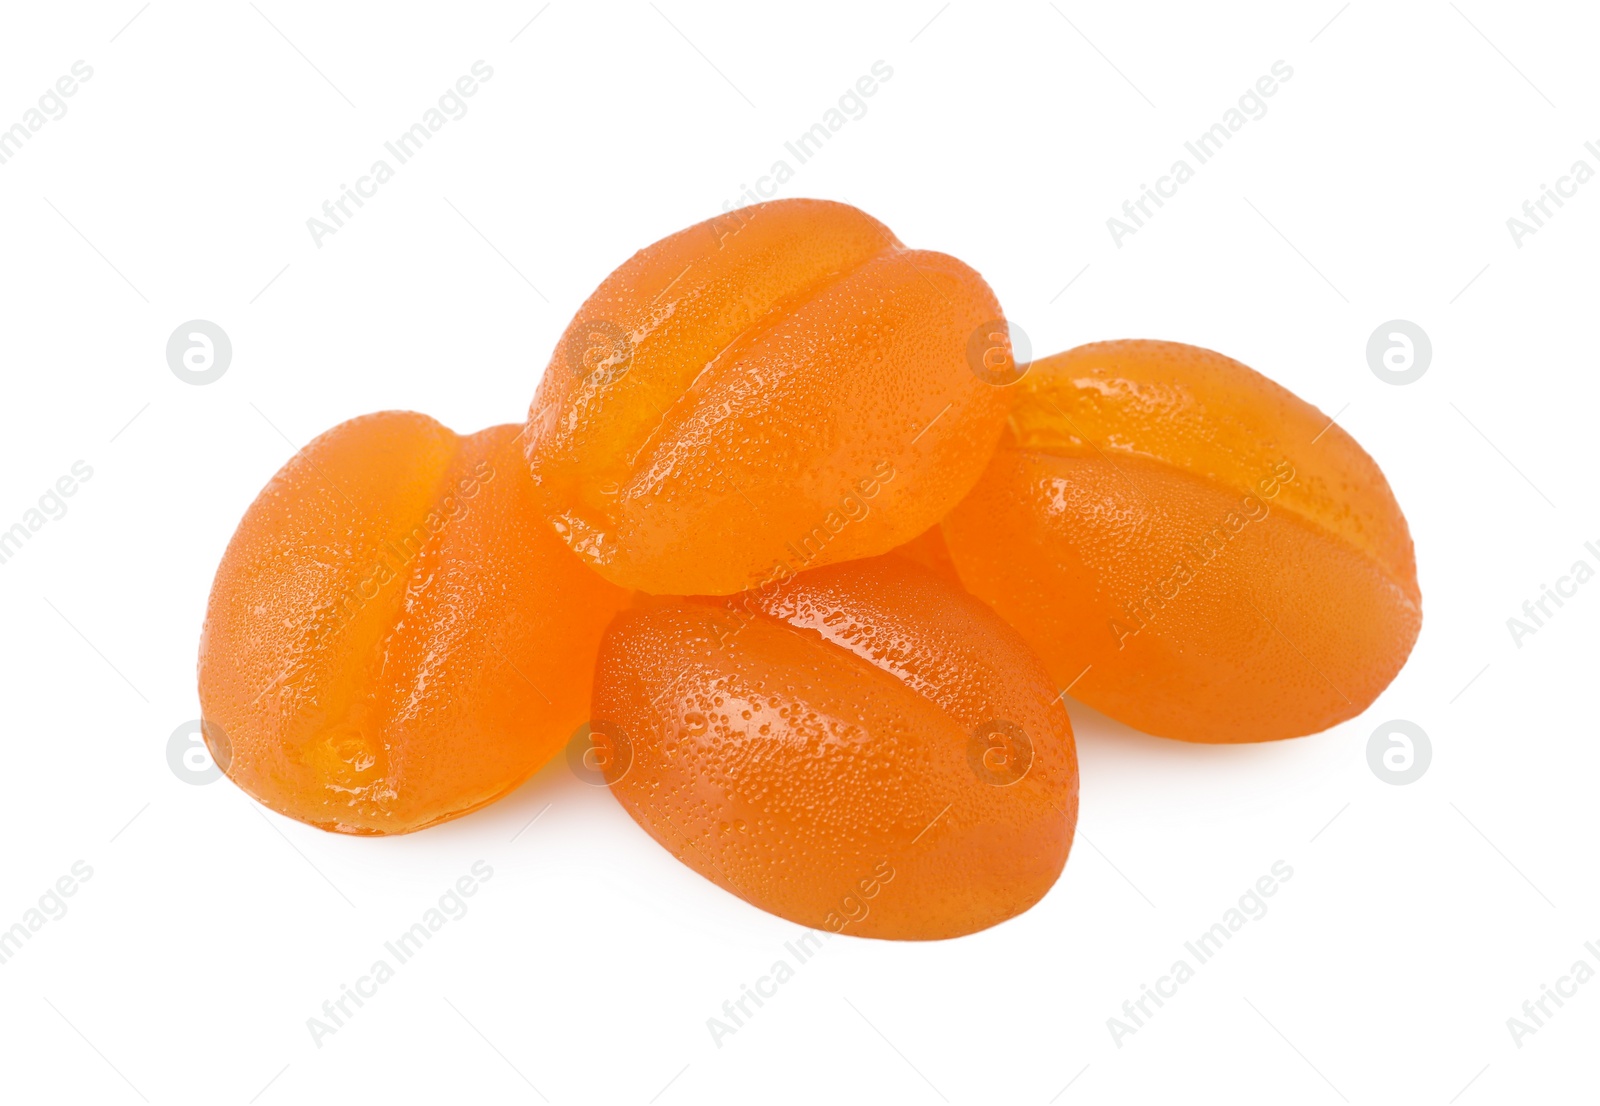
[1198, 552]
[929, 550]
[395, 637]
[864, 748]
[781, 387]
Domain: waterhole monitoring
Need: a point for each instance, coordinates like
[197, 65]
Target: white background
[178, 185]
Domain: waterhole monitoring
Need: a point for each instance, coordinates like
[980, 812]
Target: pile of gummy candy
[794, 557]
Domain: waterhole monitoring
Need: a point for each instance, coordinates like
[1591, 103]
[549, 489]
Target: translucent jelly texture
[395, 636]
[785, 385]
[1198, 552]
[863, 748]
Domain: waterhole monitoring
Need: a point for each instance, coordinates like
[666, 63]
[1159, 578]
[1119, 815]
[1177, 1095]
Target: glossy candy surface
[395, 636]
[929, 550]
[1198, 552]
[785, 385]
[863, 748]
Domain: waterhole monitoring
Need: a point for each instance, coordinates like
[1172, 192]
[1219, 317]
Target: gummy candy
[863, 747]
[394, 636]
[1194, 550]
[781, 387]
